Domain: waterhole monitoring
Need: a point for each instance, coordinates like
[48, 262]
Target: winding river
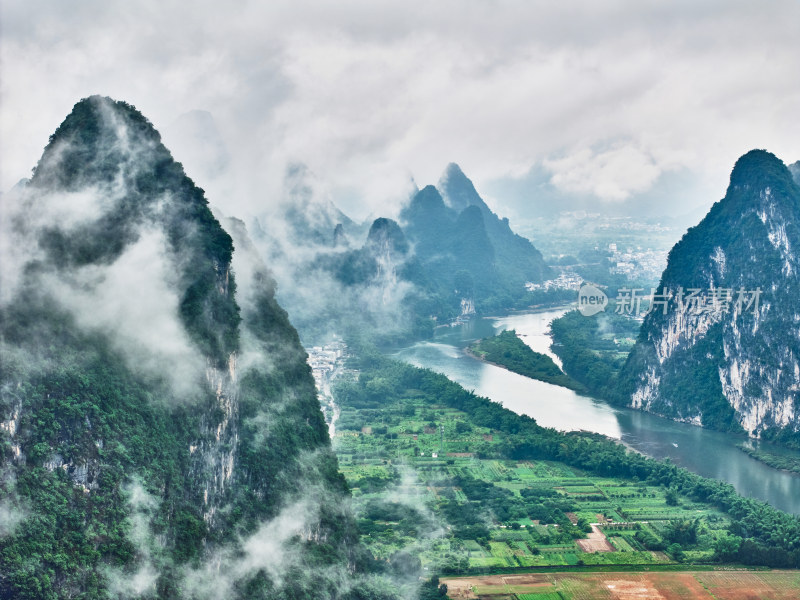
[705, 452]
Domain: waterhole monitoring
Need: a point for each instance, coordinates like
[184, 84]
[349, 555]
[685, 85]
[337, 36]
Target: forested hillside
[160, 432]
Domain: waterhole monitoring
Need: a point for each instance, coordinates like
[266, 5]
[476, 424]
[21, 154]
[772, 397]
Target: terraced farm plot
[496, 513]
[620, 543]
[503, 553]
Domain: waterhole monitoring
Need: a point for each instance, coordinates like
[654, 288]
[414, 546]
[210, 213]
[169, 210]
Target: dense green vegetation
[729, 223]
[782, 435]
[507, 350]
[593, 349]
[108, 471]
[66, 412]
[775, 460]
[391, 415]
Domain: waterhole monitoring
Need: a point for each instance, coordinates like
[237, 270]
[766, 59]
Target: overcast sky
[610, 104]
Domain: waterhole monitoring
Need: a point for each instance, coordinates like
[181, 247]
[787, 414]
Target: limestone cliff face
[728, 357]
[119, 194]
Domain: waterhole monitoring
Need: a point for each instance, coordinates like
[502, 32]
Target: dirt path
[596, 541]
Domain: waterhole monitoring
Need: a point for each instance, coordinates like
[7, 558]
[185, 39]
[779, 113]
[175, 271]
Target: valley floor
[429, 482]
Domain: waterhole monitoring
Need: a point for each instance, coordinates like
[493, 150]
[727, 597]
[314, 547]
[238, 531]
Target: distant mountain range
[466, 249]
[448, 253]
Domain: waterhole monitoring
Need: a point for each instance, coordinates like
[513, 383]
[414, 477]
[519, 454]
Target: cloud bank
[608, 97]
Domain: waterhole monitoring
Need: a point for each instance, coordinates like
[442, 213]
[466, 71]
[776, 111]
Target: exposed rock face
[729, 356]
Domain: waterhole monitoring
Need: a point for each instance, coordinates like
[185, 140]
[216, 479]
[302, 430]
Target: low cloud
[11, 515]
[267, 549]
[612, 174]
[275, 546]
[98, 250]
[133, 300]
[140, 580]
[294, 238]
[408, 493]
[135, 303]
[367, 93]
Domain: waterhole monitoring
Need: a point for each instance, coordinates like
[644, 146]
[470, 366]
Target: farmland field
[684, 585]
[430, 484]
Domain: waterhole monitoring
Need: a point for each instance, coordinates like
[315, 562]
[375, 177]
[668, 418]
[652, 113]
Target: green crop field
[429, 483]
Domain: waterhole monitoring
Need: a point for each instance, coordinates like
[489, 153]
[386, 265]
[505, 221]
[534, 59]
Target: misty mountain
[160, 434]
[326, 265]
[384, 251]
[451, 246]
[466, 250]
[393, 281]
[726, 353]
[313, 217]
[517, 260]
[379, 289]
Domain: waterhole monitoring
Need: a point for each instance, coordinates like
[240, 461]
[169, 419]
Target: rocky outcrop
[725, 351]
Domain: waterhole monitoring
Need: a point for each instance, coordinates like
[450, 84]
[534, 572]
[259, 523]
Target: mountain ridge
[457, 237]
